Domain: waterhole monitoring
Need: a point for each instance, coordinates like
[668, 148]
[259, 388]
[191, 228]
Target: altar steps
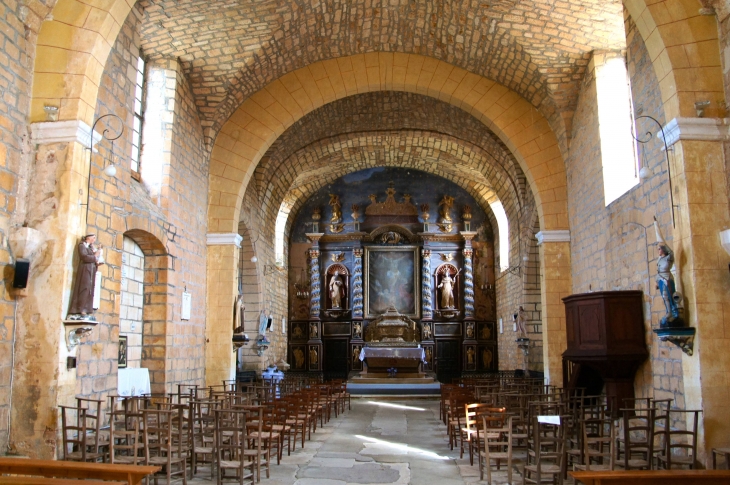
[426, 385]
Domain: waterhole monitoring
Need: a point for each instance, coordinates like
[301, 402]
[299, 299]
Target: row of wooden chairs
[593, 433]
[194, 426]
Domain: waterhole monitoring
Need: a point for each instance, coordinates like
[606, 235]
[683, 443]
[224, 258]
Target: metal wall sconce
[110, 170]
[644, 172]
[683, 337]
[273, 268]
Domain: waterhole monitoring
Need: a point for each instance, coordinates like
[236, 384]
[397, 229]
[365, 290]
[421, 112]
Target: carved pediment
[390, 207]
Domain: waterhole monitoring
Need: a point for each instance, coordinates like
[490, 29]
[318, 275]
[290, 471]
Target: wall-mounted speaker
[22, 268]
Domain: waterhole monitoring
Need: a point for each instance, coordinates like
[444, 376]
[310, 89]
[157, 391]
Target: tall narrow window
[503, 226]
[281, 219]
[138, 118]
[618, 150]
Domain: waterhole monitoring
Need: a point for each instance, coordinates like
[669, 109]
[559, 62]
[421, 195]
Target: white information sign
[186, 305]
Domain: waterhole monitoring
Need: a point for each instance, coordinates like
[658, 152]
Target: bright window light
[618, 151]
[281, 219]
[503, 226]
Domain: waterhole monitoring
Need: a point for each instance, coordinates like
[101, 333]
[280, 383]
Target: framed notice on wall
[186, 305]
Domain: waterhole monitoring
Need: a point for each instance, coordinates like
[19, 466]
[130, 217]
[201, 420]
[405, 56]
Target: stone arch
[156, 311]
[674, 33]
[265, 115]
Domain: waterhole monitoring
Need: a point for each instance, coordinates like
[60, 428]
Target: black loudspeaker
[22, 268]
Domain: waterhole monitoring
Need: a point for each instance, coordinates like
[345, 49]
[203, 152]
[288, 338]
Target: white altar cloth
[415, 353]
[133, 382]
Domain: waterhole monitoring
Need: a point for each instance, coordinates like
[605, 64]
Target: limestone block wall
[19, 24]
[612, 247]
[169, 224]
[521, 287]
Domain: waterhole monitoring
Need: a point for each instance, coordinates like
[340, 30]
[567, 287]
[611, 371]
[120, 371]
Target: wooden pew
[129, 474]
[653, 477]
[53, 481]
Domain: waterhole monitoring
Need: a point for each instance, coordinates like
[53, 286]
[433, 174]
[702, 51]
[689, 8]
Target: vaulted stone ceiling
[232, 48]
[387, 129]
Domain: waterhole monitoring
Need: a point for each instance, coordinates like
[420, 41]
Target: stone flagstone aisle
[394, 442]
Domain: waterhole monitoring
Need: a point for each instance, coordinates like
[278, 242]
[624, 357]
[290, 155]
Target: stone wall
[166, 218]
[19, 24]
[612, 247]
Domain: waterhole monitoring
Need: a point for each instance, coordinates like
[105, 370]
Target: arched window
[503, 226]
[281, 219]
[618, 148]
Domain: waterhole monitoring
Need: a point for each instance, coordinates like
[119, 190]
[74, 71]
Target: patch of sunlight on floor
[402, 447]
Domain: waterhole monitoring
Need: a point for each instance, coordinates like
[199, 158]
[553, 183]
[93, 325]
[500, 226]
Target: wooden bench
[653, 477]
[54, 481]
[129, 474]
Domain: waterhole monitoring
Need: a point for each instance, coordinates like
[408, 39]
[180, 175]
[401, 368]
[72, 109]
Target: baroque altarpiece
[435, 271]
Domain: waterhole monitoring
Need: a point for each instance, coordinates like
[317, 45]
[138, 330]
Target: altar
[379, 360]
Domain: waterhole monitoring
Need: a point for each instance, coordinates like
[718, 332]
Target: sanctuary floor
[379, 441]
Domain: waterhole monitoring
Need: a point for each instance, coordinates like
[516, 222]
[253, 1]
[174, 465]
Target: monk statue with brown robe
[82, 299]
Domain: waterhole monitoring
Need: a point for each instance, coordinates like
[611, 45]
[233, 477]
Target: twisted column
[468, 285]
[314, 283]
[426, 302]
[357, 298]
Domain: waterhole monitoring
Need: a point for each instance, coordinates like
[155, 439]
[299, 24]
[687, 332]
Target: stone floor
[379, 441]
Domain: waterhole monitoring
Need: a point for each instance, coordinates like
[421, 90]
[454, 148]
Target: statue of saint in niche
[82, 300]
[447, 289]
[337, 290]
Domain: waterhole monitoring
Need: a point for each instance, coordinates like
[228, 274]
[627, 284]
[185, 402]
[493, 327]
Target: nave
[379, 441]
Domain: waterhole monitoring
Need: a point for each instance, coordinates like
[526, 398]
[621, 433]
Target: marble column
[357, 298]
[468, 285]
[426, 290]
[314, 283]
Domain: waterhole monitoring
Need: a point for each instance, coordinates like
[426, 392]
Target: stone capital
[224, 239]
[703, 129]
[559, 235]
[47, 132]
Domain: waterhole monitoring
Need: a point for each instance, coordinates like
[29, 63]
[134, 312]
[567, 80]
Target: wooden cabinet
[605, 332]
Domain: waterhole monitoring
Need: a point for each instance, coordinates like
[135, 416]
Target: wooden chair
[680, 444]
[126, 441]
[599, 439]
[203, 426]
[80, 435]
[497, 444]
[256, 448]
[545, 452]
[164, 443]
[231, 445]
[636, 445]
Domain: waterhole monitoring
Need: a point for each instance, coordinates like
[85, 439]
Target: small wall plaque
[186, 305]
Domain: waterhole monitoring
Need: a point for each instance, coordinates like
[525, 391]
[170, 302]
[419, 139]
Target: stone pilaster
[555, 284]
[314, 295]
[41, 381]
[426, 290]
[222, 271]
[357, 297]
[468, 285]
